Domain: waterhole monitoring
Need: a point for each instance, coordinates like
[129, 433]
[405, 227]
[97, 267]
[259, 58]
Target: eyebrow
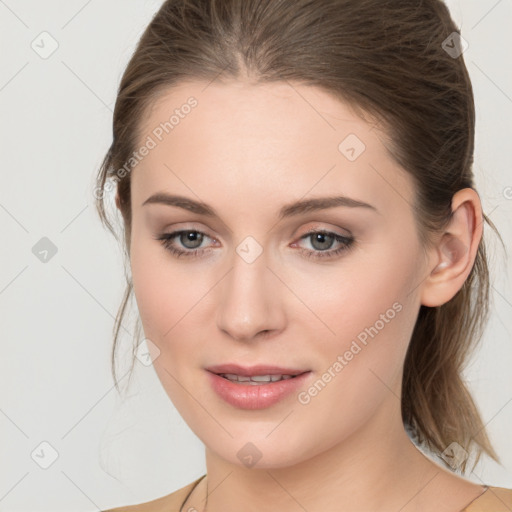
[289, 210]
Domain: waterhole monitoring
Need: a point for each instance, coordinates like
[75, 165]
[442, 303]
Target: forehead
[267, 140]
[276, 114]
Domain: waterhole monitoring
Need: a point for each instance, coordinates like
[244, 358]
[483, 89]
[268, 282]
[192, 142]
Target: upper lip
[260, 369]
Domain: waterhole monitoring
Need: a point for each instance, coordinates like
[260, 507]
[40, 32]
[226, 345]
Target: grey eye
[194, 238]
[324, 240]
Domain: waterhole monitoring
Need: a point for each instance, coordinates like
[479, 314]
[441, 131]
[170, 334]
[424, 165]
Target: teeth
[254, 379]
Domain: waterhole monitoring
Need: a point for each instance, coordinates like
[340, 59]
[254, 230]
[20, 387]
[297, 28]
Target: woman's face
[251, 287]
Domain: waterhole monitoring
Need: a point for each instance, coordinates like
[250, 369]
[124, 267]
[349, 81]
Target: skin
[246, 150]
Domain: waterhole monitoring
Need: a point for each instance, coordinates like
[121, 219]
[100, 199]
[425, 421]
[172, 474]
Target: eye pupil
[321, 237]
[191, 236]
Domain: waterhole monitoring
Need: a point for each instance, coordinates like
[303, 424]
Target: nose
[250, 301]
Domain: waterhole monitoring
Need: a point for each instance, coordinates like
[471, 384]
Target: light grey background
[57, 317]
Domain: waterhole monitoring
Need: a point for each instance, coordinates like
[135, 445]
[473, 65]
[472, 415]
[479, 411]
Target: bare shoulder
[494, 499]
[169, 503]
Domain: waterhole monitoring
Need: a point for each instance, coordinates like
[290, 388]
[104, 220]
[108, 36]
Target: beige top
[493, 499]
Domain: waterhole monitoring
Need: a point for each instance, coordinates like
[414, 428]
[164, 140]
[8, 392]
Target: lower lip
[247, 396]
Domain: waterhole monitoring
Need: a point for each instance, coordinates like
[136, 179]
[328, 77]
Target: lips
[250, 371]
[255, 395]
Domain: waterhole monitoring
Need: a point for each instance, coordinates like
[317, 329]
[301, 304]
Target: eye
[189, 238]
[322, 241]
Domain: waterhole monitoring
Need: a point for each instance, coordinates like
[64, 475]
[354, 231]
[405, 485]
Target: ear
[453, 256]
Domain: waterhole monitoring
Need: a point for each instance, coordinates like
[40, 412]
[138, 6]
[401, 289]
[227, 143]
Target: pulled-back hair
[398, 62]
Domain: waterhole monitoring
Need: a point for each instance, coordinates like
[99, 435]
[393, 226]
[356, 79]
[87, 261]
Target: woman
[306, 251]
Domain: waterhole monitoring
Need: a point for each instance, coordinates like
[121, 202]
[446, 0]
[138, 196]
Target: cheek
[372, 317]
[368, 315]
[160, 291]
[170, 296]
[147, 285]
[364, 289]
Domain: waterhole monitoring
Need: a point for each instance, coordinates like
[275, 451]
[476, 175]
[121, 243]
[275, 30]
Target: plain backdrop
[68, 441]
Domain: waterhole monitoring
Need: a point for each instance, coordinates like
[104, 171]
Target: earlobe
[454, 255]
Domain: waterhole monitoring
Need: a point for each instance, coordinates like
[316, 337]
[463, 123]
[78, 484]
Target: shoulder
[494, 499]
[169, 503]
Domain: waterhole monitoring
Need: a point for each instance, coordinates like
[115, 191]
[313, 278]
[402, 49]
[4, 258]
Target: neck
[377, 467]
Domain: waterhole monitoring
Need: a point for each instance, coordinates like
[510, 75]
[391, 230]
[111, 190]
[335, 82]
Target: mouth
[256, 387]
[255, 380]
[255, 375]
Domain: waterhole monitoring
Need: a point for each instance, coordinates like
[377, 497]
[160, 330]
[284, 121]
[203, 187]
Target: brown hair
[388, 59]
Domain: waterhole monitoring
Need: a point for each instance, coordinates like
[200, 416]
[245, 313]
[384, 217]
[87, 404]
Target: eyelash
[346, 242]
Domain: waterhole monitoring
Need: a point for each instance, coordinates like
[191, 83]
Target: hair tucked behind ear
[435, 399]
[387, 59]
